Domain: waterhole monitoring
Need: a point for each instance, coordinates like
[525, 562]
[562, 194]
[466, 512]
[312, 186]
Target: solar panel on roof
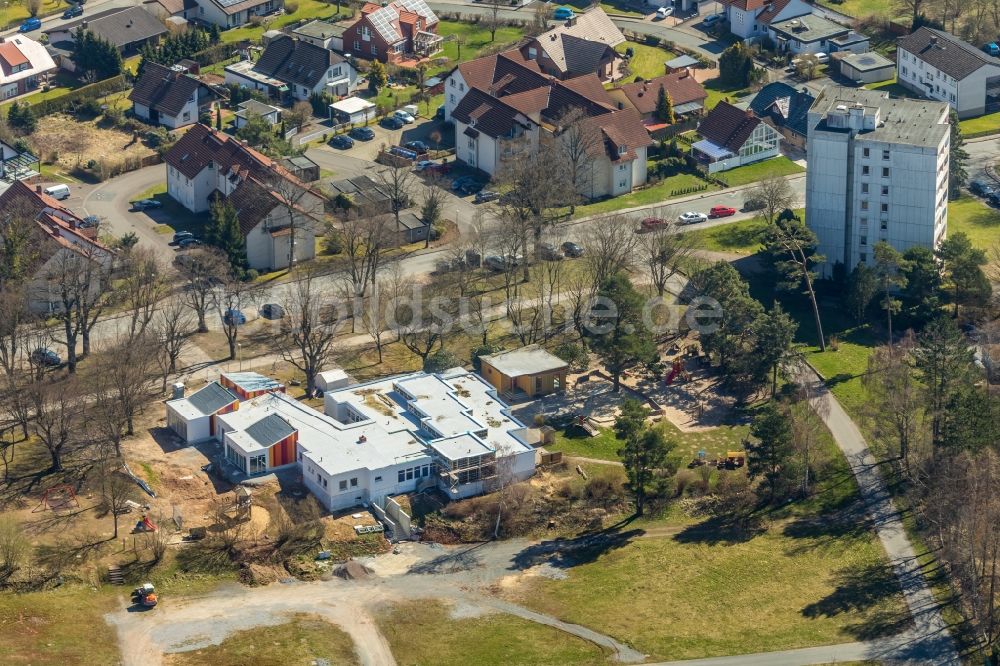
[383, 21]
[228, 3]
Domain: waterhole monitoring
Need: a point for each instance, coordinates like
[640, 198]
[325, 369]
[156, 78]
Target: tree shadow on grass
[567, 553]
[725, 530]
[850, 522]
[864, 589]
[453, 562]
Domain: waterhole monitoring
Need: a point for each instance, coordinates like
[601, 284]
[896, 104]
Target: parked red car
[651, 223]
[721, 211]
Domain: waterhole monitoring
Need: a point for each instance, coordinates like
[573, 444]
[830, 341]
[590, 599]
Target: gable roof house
[398, 32]
[291, 67]
[64, 243]
[322, 33]
[786, 109]
[165, 9]
[732, 137]
[936, 64]
[278, 214]
[169, 96]
[501, 104]
[686, 94]
[128, 28]
[232, 13]
[582, 45]
[24, 65]
[749, 19]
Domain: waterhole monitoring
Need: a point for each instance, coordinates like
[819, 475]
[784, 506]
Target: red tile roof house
[749, 19]
[24, 65]
[582, 45]
[507, 104]
[400, 32]
[686, 95]
[275, 209]
[732, 137]
[62, 241]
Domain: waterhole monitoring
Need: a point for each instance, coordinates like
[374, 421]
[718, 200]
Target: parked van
[59, 192]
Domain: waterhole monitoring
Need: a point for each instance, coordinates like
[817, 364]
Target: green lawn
[751, 173]
[666, 189]
[813, 578]
[741, 237]
[475, 39]
[304, 640]
[63, 84]
[718, 92]
[609, 7]
[423, 632]
[888, 9]
[979, 221]
[990, 123]
[13, 14]
[892, 87]
[180, 218]
[647, 61]
[605, 446]
[307, 10]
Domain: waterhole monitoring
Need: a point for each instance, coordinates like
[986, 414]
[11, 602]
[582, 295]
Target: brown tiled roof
[502, 74]
[11, 56]
[728, 126]
[489, 115]
[577, 45]
[201, 145]
[164, 89]
[253, 202]
[683, 89]
[59, 224]
[590, 87]
[768, 14]
[746, 5]
[622, 127]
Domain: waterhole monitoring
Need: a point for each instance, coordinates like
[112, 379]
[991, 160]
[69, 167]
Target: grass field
[14, 13]
[989, 123]
[718, 92]
[58, 627]
[805, 581]
[971, 216]
[307, 10]
[647, 61]
[605, 446]
[653, 194]
[892, 87]
[422, 633]
[751, 173]
[858, 8]
[304, 640]
[741, 237]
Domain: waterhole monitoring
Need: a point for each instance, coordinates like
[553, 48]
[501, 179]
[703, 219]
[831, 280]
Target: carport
[352, 110]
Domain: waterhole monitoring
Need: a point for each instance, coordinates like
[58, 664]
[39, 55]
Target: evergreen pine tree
[665, 107]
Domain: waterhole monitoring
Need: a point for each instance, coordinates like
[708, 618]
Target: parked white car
[664, 12]
[692, 218]
[404, 116]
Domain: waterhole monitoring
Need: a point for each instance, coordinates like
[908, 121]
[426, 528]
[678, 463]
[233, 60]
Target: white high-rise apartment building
[878, 170]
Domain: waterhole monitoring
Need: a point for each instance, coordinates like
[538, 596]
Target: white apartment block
[878, 171]
[940, 66]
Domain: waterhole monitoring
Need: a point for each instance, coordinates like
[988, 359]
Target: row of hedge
[219, 52]
[71, 99]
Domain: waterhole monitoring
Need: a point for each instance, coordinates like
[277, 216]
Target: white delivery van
[59, 192]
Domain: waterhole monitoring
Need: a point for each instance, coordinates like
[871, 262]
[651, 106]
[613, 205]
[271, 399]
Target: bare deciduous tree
[57, 418]
[773, 195]
[610, 244]
[662, 250]
[233, 297]
[579, 140]
[299, 205]
[172, 323]
[117, 494]
[78, 282]
[139, 288]
[309, 329]
[365, 237]
[202, 272]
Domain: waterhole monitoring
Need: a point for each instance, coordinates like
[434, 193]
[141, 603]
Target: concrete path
[929, 642]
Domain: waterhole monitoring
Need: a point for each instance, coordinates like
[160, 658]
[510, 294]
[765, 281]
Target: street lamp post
[239, 351]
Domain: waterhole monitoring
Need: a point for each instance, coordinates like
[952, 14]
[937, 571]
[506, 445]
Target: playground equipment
[582, 424]
[58, 497]
[145, 525]
[677, 371]
[733, 460]
[145, 595]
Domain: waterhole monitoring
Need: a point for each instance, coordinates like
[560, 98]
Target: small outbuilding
[271, 114]
[867, 67]
[527, 372]
[352, 110]
[193, 418]
[332, 380]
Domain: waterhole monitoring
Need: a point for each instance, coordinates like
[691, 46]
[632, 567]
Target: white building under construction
[373, 440]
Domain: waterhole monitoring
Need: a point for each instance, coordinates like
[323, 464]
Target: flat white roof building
[391, 436]
[878, 171]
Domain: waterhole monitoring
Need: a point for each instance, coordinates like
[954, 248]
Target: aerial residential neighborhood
[470, 332]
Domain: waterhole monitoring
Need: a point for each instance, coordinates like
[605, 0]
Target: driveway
[110, 201]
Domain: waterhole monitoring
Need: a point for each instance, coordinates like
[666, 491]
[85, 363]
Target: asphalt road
[90, 8]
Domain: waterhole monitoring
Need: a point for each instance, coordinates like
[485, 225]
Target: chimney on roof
[83, 25]
[38, 188]
[749, 113]
[934, 40]
[684, 73]
[621, 105]
[570, 23]
[244, 142]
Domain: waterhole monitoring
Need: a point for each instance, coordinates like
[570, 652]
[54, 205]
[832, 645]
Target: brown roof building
[686, 95]
[398, 32]
[279, 215]
[585, 44]
[169, 96]
[732, 137]
[500, 104]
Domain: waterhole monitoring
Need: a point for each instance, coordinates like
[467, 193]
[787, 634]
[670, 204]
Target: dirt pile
[254, 574]
[353, 570]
